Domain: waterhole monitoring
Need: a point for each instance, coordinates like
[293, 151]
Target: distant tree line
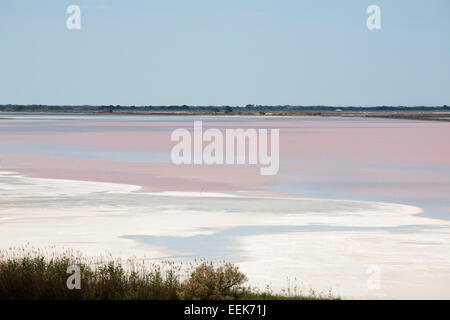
[212, 109]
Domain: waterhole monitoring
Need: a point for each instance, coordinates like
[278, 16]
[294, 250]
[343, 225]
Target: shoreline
[269, 195]
[408, 115]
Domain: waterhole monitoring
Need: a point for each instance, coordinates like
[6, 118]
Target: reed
[33, 274]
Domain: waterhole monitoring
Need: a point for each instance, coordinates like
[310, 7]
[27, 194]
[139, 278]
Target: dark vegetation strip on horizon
[212, 108]
[437, 113]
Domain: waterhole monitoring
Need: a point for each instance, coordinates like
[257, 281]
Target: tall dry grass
[35, 274]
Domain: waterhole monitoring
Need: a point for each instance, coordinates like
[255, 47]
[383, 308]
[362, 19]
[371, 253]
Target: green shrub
[210, 283]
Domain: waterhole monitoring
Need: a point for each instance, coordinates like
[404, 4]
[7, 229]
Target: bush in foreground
[208, 282]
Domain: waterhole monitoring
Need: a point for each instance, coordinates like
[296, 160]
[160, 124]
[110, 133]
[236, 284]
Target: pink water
[384, 160]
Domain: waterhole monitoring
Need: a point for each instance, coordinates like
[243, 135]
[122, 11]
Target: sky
[233, 52]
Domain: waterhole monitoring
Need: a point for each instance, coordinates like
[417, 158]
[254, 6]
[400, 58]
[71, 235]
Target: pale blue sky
[228, 52]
